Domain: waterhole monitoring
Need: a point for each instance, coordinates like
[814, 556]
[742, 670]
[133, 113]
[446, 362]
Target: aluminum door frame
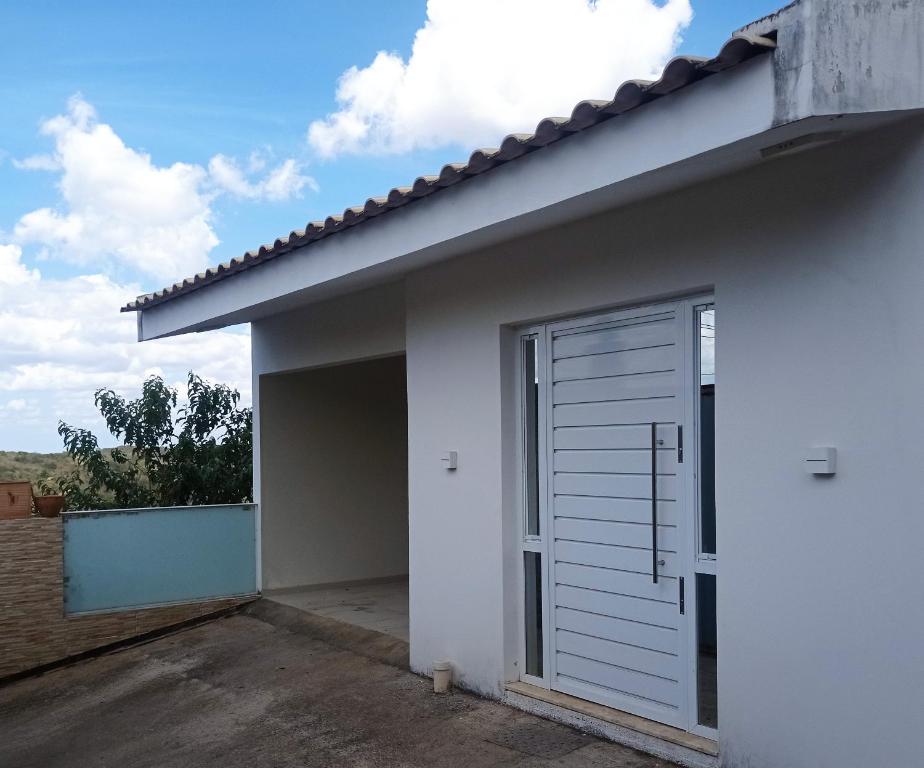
[526, 543]
[693, 564]
[685, 308]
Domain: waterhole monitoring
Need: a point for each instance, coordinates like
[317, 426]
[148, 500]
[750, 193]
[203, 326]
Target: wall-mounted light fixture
[800, 143]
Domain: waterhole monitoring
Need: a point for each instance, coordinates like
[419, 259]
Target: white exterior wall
[816, 265]
[306, 453]
[334, 472]
[359, 326]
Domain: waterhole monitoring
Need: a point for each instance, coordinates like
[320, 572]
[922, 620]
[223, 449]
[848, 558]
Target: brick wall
[33, 628]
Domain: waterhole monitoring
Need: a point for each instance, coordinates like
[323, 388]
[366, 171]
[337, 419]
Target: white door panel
[619, 339]
[631, 632]
[615, 534]
[627, 558]
[631, 361]
[617, 413]
[616, 634]
[628, 461]
[631, 436]
[619, 654]
[628, 607]
[608, 580]
[618, 510]
[659, 384]
[615, 486]
[621, 683]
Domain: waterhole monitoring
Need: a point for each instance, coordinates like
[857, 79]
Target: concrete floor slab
[381, 606]
[242, 692]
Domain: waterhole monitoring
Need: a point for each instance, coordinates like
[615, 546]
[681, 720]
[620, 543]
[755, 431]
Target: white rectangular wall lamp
[821, 460]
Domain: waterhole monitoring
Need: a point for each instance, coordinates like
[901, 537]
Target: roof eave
[707, 130]
[679, 73]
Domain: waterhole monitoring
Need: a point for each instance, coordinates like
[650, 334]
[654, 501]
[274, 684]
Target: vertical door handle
[654, 502]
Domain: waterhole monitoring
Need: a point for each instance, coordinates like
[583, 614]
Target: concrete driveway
[241, 691]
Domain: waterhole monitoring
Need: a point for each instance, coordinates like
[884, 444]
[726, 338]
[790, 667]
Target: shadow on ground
[241, 692]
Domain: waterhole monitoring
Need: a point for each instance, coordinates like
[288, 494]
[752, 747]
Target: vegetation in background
[36, 467]
[200, 453]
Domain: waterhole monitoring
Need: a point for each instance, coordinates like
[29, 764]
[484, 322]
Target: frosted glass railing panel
[131, 558]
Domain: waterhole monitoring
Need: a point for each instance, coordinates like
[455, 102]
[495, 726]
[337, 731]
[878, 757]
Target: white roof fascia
[694, 134]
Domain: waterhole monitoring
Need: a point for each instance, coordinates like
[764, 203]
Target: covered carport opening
[334, 492]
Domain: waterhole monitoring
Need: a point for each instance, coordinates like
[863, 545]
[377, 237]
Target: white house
[637, 400]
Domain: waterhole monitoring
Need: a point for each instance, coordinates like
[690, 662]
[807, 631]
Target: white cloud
[118, 213]
[37, 163]
[12, 271]
[117, 205]
[480, 69]
[281, 183]
[61, 339]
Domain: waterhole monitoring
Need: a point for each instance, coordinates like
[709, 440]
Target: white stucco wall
[312, 433]
[816, 264]
[359, 326]
[334, 490]
[815, 260]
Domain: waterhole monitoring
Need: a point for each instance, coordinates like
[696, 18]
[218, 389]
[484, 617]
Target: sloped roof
[679, 73]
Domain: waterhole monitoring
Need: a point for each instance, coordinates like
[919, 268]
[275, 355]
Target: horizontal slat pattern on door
[609, 580]
[662, 384]
[615, 486]
[615, 534]
[622, 558]
[618, 339]
[643, 611]
[619, 654]
[614, 364]
[633, 436]
[630, 632]
[619, 680]
[634, 462]
[626, 319]
[617, 510]
[615, 629]
[661, 409]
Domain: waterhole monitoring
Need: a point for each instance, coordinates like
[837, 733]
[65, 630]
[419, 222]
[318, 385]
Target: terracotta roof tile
[679, 73]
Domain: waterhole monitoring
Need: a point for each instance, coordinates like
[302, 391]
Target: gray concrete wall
[815, 260]
[836, 57]
[334, 474]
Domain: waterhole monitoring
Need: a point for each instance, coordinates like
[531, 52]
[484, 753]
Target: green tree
[201, 453]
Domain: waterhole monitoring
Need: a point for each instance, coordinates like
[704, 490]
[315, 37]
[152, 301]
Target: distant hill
[21, 465]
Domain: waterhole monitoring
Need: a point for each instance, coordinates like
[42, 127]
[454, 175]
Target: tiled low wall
[33, 628]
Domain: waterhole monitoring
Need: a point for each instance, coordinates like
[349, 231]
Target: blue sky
[186, 83]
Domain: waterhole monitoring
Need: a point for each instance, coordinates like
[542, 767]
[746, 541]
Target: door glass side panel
[532, 573]
[706, 328]
[707, 651]
[706, 645]
[531, 434]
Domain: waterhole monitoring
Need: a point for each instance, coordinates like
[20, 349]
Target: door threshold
[633, 731]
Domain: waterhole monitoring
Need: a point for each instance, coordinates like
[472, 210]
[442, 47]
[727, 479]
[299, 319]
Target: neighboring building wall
[816, 264]
[33, 628]
[334, 474]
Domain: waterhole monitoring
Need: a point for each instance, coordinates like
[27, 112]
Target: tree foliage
[200, 453]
